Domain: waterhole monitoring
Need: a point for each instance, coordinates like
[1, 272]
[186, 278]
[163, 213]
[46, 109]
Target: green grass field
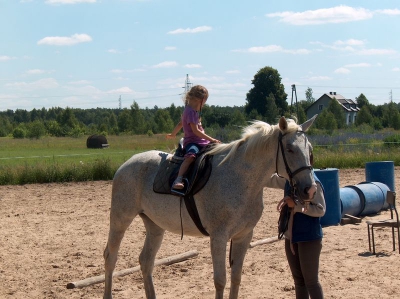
[68, 159]
[51, 159]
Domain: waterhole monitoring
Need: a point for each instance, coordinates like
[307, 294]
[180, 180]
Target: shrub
[36, 130]
[19, 133]
[392, 141]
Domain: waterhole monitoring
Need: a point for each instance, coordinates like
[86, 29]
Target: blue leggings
[304, 266]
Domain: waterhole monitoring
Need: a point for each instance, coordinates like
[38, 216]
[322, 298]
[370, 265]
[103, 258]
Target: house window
[349, 119]
[320, 107]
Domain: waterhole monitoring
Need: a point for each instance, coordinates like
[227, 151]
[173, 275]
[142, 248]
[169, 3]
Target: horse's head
[293, 160]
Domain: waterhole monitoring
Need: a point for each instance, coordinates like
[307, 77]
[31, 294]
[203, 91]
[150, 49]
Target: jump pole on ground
[101, 278]
[264, 241]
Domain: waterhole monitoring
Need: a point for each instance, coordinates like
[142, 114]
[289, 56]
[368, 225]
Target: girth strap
[192, 210]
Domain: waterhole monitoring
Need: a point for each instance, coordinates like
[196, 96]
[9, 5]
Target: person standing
[303, 238]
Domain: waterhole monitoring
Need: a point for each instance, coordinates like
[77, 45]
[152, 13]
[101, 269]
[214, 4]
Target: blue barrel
[350, 201]
[372, 197]
[384, 188]
[329, 178]
[381, 171]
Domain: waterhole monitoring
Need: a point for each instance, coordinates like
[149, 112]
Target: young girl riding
[194, 136]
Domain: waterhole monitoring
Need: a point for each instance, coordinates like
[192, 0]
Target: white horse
[229, 206]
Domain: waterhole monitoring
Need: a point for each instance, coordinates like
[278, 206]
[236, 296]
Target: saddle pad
[167, 172]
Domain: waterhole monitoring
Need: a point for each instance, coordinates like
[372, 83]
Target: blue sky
[89, 53]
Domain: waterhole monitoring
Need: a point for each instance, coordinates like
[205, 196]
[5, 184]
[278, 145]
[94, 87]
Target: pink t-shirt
[192, 116]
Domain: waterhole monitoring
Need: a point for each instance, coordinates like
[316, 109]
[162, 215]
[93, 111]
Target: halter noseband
[289, 172]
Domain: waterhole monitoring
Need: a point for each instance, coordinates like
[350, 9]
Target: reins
[288, 170]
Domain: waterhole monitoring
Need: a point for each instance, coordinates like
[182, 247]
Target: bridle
[293, 188]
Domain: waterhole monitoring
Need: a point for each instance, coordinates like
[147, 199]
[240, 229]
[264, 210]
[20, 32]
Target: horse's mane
[255, 137]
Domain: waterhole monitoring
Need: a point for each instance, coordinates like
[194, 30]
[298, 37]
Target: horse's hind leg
[238, 252]
[154, 237]
[118, 225]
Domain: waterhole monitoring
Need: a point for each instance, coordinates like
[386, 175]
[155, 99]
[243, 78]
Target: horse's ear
[308, 123]
[283, 124]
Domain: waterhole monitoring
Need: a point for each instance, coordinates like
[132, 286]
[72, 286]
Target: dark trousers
[304, 266]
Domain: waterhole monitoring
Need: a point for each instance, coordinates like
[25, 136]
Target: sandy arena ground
[53, 234]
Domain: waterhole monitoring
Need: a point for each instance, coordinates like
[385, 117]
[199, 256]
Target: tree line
[265, 101]
[74, 122]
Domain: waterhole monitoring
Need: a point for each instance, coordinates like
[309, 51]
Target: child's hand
[170, 136]
[215, 141]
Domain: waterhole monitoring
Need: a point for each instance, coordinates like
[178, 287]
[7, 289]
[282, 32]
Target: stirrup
[182, 191]
[178, 184]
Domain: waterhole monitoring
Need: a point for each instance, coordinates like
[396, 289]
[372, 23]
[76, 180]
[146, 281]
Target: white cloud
[6, 58]
[166, 64]
[233, 72]
[64, 40]
[170, 48]
[266, 49]
[390, 12]
[117, 71]
[396, 69]
[356, 47]
[37, 72]
[349, 42]
[342, 70]
[115, 51]
[128, 91]
[192, 66]
[273, 49]
[46, 83]
[53, 2]
[124, 89]
[191, 30]
[338, 14]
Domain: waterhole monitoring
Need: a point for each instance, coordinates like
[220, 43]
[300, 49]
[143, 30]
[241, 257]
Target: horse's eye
[289, 150]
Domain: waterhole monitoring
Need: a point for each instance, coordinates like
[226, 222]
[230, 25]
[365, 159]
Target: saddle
[196, 178]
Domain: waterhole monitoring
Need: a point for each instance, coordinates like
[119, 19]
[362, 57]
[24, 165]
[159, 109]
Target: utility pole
[391, 96]
[188, 84]
[120, 102]
[297, 107]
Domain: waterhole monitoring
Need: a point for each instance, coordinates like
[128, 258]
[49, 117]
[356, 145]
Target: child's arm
[175, 131]
[201, 134]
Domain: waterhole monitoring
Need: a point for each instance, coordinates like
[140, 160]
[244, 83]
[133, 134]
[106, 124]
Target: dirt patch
[53, 234]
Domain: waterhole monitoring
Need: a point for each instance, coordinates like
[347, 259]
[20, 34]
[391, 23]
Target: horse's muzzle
[311, 191]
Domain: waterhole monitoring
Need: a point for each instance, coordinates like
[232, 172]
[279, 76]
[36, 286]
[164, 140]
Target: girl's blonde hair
[196, 92]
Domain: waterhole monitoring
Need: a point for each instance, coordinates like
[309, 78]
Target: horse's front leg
[218, 254]
[239, 247]
[152, 243]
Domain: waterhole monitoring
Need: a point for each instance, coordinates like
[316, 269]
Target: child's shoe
[178, 184]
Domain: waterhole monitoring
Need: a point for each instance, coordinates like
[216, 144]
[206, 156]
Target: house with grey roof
[350, 107]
